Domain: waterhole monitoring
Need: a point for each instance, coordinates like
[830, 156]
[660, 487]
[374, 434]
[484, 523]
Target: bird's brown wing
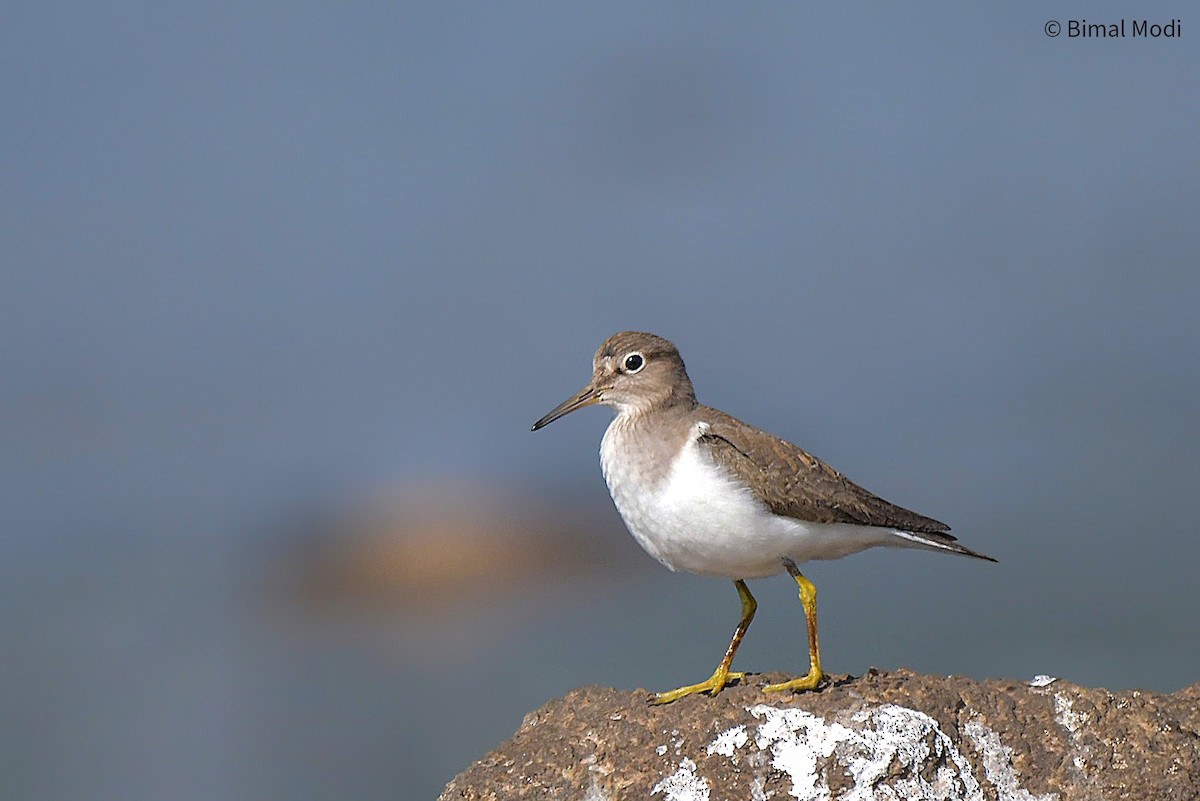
[795, 484]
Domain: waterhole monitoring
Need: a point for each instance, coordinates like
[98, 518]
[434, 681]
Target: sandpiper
[703, 492]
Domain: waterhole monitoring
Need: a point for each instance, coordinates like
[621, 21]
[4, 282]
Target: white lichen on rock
[799, 743]
[885, 752]
[1065, 714]
[1074, 722]
[683, 784]
[728, 741]
[867, 748]
[997, 764]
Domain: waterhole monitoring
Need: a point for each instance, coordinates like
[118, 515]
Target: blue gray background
[265, 263]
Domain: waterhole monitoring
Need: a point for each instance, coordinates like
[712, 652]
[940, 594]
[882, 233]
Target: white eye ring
[639, 361]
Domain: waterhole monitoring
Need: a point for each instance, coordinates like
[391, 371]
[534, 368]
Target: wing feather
[796, 484]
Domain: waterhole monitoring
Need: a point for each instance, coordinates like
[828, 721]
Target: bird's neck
[636, 415]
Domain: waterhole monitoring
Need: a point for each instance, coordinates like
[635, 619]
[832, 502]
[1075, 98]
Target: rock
[886, 735]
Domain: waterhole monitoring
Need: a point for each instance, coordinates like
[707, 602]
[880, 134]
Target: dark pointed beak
[585, 397]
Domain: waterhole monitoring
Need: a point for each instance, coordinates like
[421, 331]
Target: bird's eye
[634, 362]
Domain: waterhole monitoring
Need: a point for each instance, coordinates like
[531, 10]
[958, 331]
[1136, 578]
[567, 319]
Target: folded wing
[796, 484]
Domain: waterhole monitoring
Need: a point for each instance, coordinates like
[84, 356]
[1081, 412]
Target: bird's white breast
[693, 515]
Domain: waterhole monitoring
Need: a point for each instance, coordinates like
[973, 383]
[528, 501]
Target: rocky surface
[895, 735]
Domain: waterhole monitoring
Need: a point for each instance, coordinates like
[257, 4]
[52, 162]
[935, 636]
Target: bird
[705, 493]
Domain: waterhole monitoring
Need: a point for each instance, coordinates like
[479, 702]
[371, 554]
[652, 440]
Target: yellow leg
[721, 676]
[808, 598]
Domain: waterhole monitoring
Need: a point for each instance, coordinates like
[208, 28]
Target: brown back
[796, 484]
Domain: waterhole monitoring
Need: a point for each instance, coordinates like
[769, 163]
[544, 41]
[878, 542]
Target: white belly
[699, 519]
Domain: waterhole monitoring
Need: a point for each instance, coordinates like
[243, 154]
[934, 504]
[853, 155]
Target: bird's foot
[715, 683]
[806, 682]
